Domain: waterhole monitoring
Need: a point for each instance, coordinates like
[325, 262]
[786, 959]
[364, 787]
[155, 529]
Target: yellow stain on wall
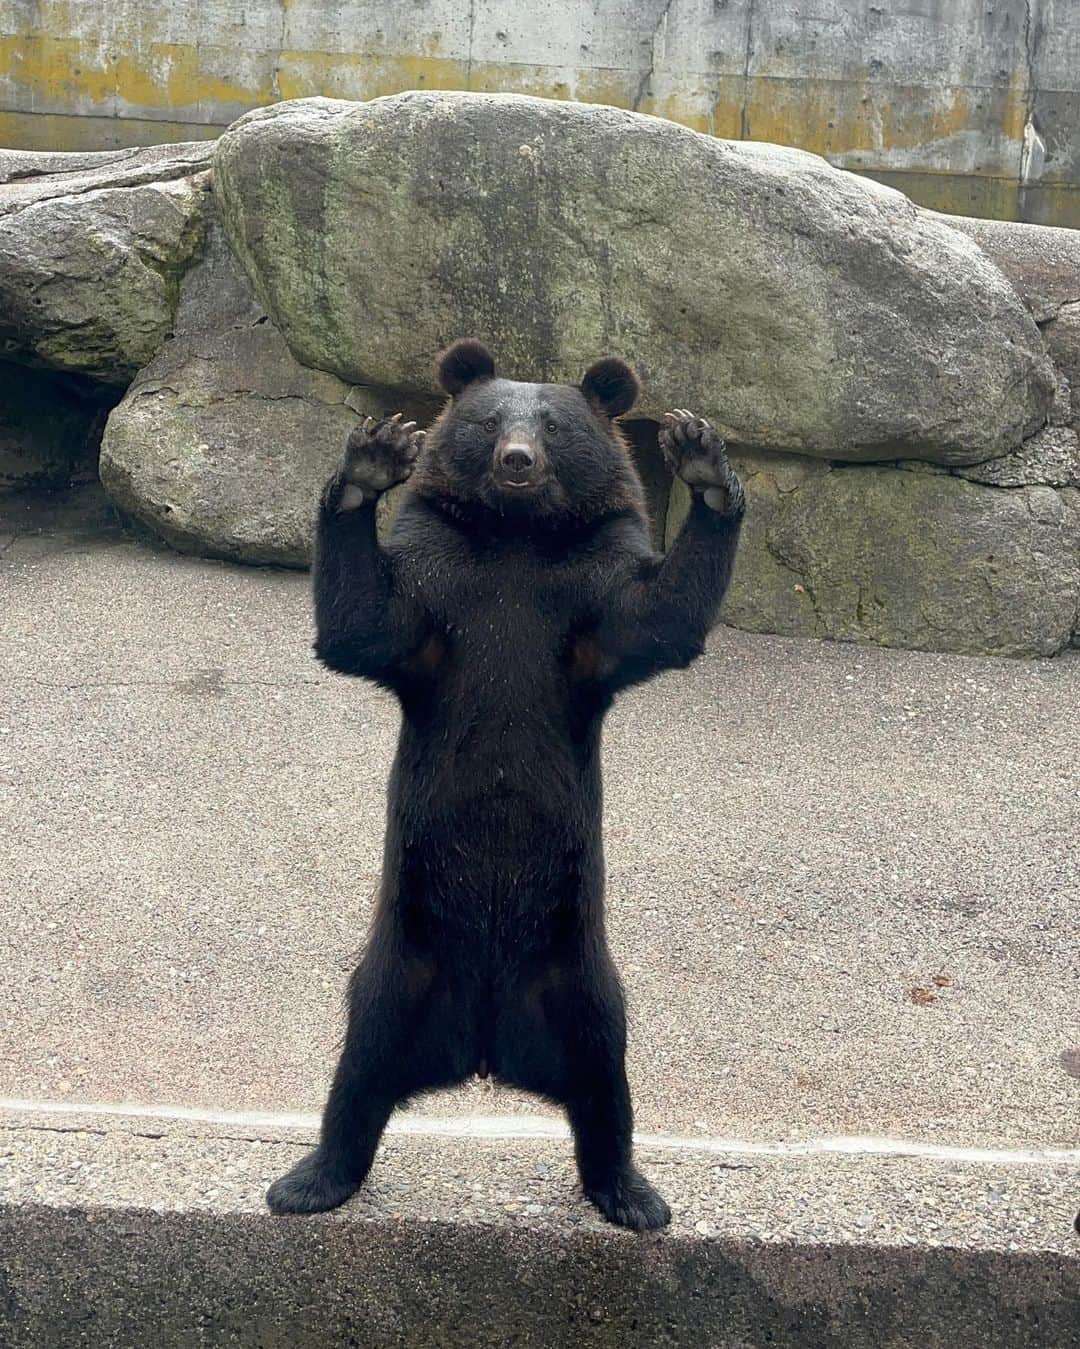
[1014, 115]
[828, 117]
[352, 75]
[62, 74]
[168, 89]
[56, 71]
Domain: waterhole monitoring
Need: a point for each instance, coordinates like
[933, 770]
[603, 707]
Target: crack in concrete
[523, 1127]
[744, 112]
[1032, 147]
[1032, 34]
[254, 1136]
[188, 683]
[646, 79]
[275, 74]
[469, 51]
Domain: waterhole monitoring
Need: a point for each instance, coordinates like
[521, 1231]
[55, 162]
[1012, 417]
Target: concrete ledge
[148, 1231]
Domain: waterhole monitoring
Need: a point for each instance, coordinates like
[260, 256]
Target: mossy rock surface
[897, 557]
[222, 443]
[799, 307]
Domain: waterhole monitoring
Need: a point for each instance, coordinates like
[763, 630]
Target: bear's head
[543, 452]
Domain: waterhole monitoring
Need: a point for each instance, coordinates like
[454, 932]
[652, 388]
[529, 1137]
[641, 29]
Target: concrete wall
[971, 106]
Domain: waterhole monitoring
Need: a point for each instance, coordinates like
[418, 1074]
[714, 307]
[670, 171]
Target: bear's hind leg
[568, 1041]
[608, 1177]
[602, 1119]
[387, 1057]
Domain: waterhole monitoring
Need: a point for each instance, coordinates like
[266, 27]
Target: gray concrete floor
[844, 884]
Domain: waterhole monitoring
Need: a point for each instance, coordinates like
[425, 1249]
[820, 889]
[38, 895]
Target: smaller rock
[92, 249]
[1062, 337]
[223, 441]
[1041, 261]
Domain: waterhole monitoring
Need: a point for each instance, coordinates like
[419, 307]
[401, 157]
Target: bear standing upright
[517, 593]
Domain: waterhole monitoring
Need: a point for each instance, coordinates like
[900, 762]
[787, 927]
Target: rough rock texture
[16, 165]
[809, 310]
[1043, 264]
[50, 428]
[1070, 499]
[1041, 261]
[905, 558]
[223, 442]
[92, 248]
[1050, 457]
[1062, 334]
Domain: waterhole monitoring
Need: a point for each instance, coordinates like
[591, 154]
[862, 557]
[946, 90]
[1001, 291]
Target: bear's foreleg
[665, 615]
[363, 626]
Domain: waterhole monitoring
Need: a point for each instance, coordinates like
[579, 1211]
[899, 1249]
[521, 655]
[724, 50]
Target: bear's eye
[490, 424]
[551, 428]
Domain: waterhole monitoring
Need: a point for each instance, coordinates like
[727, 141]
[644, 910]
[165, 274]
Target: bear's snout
[517, 459]
[519, 462]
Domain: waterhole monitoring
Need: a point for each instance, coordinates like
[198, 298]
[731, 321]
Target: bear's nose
[517, 458]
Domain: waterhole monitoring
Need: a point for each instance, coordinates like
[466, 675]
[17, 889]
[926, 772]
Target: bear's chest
[511, 602]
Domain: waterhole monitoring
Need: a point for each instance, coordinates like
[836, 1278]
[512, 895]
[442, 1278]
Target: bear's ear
[461, 364]
[612, 385]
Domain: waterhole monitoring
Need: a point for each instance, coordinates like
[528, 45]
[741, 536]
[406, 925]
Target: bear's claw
[379, 455]
[695, 452]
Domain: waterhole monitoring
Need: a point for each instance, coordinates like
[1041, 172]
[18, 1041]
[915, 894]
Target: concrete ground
[844, 893]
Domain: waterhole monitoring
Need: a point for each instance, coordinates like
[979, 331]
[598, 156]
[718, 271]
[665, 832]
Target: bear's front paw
[378, 455]
[695, 452]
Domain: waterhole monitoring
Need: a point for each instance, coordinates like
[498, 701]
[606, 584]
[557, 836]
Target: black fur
[462, 364]
[612, 386]
[505, 617]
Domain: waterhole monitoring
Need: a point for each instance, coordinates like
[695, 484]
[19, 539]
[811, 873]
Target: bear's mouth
[518, 486]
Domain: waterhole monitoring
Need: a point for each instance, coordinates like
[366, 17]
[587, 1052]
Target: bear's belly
[497, 858]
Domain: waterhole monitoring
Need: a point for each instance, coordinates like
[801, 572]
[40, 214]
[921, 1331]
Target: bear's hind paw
[630, 1201]
[312, 1186]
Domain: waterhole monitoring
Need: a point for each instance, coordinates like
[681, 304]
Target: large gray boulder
[800, 307]
[909, 556]
[222, 443]
[92, 249]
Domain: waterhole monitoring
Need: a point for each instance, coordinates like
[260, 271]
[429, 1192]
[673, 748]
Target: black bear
[516, 594]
